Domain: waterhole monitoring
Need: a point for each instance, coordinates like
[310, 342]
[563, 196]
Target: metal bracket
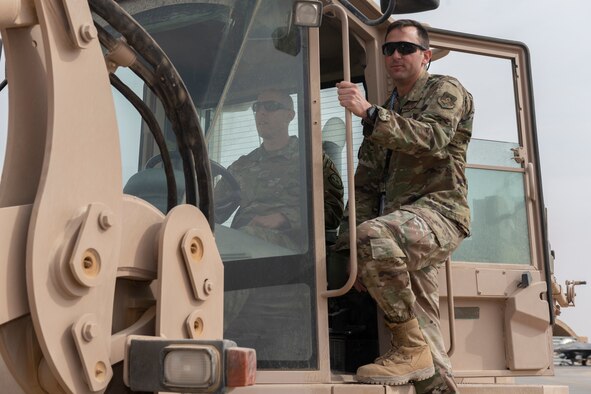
[197, 271]
[190, 273]
[570, 290]
[83, 268]
[80, 23]
[122, 55]
[93, 351]
[519, 154]
[526, 280]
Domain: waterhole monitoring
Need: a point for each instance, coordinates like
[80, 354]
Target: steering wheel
[224, 205]
[175, 157]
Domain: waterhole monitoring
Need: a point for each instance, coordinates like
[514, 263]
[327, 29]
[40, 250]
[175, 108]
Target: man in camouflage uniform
[269, 178]
[412, 208]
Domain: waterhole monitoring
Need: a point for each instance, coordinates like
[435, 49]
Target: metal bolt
[106, 220]
[89, 331]
[207, 286]
[196, 249]
[87, 263]
[100, 371]
[197, 327]
[91, 263]
[88, 32]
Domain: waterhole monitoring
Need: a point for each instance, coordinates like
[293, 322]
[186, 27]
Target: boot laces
[393, 355]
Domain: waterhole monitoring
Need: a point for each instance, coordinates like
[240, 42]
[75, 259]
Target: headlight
[307, 13]
[186, 365]
[191, 366]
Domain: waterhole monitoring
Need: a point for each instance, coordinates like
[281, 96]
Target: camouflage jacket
[270, 183]
[428, 133]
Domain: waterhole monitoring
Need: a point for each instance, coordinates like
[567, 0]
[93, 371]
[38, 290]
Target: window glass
[252, 54]
[333, 132]
[499, 220]
[500, 232]
[259, 134]
[494, 93]
[492, 153]
[129, 122]
[271, 182]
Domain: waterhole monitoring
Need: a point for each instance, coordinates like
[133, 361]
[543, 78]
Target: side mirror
[287, 40]
[410, 6]
[390, 7]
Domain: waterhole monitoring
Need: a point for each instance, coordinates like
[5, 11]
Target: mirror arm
[365, 19]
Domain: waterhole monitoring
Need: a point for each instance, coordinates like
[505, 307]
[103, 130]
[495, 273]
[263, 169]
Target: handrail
[450, 308]
[340, 12]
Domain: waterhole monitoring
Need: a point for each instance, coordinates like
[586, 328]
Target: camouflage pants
[399, 255]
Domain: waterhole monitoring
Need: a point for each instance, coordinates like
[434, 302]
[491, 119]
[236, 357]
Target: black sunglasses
[269, 106]
[403, 48]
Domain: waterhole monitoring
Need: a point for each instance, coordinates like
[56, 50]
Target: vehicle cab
[276, 295]
[282, 296]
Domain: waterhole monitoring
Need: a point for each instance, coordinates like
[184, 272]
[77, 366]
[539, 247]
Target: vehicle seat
[333, 140]
[150, 185]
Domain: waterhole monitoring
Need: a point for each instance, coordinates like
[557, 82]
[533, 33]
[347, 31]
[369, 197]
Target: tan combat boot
[409, 359]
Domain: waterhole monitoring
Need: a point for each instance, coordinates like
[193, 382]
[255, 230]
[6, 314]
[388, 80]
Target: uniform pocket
[385, 249]
[446, 232]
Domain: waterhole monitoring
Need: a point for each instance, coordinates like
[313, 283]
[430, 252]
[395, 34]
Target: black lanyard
[382, 199]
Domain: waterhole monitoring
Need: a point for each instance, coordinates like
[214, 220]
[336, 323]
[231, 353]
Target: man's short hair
[421, 31]
[283, 94]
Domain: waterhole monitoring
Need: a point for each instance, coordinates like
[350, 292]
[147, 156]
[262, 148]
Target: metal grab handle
[342, 15]
[450, 308]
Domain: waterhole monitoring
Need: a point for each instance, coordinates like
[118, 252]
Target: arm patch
[447, 100]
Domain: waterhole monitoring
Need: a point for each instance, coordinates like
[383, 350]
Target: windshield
[244, 64]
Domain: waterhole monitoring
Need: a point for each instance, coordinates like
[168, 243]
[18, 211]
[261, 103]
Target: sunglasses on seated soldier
[403, 48]
[269, 106]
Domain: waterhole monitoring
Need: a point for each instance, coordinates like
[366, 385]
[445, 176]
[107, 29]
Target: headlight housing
[156, 364]
[307, 13]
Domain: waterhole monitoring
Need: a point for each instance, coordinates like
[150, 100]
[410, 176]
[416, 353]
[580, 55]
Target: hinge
[519, 154]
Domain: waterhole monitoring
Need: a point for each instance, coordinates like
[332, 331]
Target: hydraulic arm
[85, 267]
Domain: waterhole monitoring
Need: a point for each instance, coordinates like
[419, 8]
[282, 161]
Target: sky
[554, 33]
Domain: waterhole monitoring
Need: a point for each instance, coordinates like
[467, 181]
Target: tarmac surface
[576, 377]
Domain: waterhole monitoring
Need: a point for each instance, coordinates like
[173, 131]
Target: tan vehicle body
[84, 265]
